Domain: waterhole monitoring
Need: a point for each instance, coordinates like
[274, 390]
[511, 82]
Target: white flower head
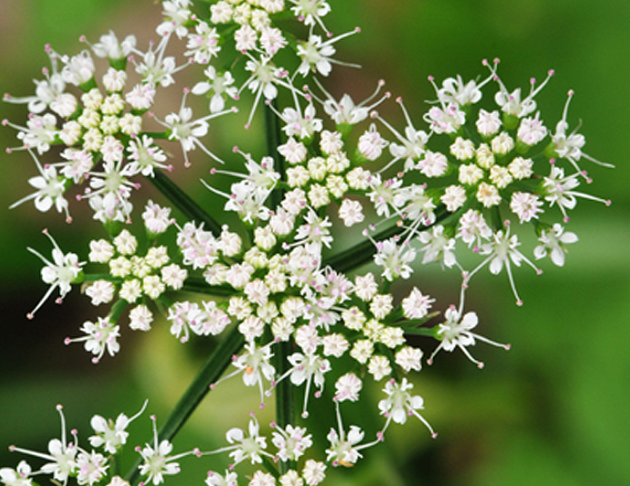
[17, 477]
[64, 270]
[456, 332]
[109, 434]
[552, 244]
[157, 459]
[100, 337]
[62, 456]
[400, 404]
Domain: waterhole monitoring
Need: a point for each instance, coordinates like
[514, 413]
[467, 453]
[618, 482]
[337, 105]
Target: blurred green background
[552, 411]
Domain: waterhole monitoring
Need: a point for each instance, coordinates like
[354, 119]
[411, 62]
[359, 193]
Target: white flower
[531, 130]
[371, 143]
[455, 332]
[109, 434]
[262, 479]
[521, 168]
[470, 174]
[131, 290]
[203, 45]
[526, 206]
[399, 404]
[313, 471]
[335, 345]
[501, 251]
[462, 149]
[488, 195]
[317, 55]
[91, 467]
[438, 246]
[447, 119]
[343, 450]
[157, 461]
[174, 276]
[140, 318]
[433, 164]
[301, 125]
[488, 123]
[79, 69]
[141, 97]
[379, 367]
[145, 156]
[502, 144]
[216, 479]
[416, 305]
[114, 80]
[291, 442]
[310, 11]
[50, 189]
[454, 197]
[61, 454]
[17, 477]
[408, 358]
[156, 69]
[64, 270]
[101, 292]
[101, 336]
[156, 218]
[110, 47]
[362, 351]
[348, 387]
[351, 212]
[394, 259]
[293, 151]
[243, 447]
[559, 190]
[365, 287]
[552, 243]
[511, 103]
[272, 40]
[291, 478]
[220, 85]
[255, 363]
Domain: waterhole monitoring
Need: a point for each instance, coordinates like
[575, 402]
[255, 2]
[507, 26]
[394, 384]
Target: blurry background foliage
[552, 411]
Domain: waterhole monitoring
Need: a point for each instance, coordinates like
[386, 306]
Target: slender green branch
[198, 389]
[200, 286]
[285, 398]
[183, 202]
[361, 253]
[273, 140]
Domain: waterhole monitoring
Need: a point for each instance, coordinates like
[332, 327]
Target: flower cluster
[307, 318]
[67, 459]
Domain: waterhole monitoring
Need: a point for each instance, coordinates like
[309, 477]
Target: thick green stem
[198, 389]
[183, 202]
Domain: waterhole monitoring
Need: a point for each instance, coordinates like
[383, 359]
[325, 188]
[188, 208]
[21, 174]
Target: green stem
[285, 399]
[198, 389]
[362, 253]
[198, 285]
[359, 254]
[183, 202]
[273, 140]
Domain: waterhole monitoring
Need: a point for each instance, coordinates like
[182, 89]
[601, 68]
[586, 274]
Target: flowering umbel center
[283, 289]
